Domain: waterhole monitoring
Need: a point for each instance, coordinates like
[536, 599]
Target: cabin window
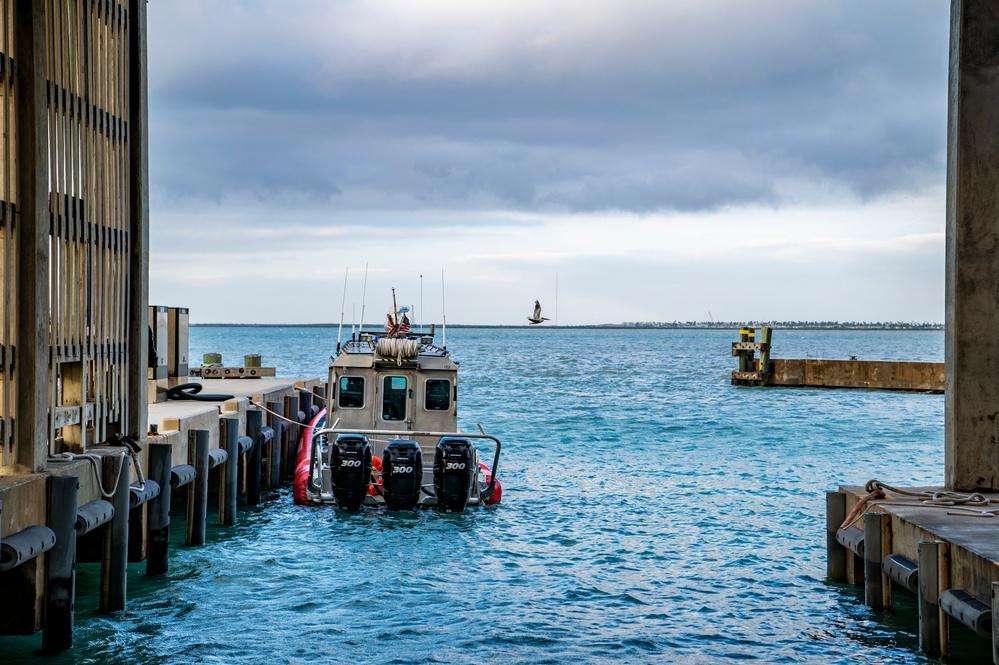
[394, 398]
[351, 392]
[438, 395]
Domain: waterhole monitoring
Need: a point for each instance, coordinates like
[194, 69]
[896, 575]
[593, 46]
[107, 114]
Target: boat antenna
[343, 304]
[364, 292]
[443, 313]
[421, 303]
[353, 318]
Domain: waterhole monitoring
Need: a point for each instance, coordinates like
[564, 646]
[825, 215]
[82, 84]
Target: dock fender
[304, 461]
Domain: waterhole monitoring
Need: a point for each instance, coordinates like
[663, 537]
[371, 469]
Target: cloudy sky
[658, 160]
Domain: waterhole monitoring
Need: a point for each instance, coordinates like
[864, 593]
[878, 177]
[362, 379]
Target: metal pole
[230, 430]
[158, 512]
[873, 595]
[835, 553]
[114, 563]
[60, 584]
[197, 497]
[254, 421]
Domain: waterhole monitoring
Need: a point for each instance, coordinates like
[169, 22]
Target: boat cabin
[394, 382]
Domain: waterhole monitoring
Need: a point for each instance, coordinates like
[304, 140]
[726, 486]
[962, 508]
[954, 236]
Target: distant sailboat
[537, 318]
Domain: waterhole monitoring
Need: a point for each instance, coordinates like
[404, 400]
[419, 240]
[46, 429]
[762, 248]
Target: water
[651, 513]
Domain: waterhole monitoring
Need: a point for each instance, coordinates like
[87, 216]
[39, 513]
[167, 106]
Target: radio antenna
[364, 293]
[421, 303]
[443, 312]
[343, 305]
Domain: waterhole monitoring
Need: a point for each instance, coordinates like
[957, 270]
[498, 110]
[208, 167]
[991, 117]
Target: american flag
[401, 327]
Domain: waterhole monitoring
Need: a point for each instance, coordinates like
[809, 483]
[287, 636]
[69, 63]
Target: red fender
[497, 494]
[304, 461]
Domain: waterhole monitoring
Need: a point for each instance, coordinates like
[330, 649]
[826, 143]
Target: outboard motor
[454, 472]
[350, 470]
[402, 474]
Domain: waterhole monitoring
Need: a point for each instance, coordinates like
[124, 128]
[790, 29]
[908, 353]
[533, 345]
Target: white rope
[398, 348]
[970, 505]
[276, 415]
[95, 461]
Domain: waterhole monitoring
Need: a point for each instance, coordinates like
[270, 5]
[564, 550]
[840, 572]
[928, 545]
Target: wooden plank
[747, 376]
[749, 346]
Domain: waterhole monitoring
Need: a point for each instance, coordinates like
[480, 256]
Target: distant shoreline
[690, 325]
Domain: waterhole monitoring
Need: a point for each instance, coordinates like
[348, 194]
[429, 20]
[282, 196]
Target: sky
[618, 160]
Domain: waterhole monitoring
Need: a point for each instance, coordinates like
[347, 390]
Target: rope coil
[971, 505]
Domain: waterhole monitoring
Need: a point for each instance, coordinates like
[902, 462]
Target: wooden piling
[254, 423]
[873, 576]
[293, 435]
[197, 493]
[158, 512]
[276, 447]
[766, 336]
[835, 553]
[60, 582]
[931, 619]
[305, 403]
[114, 560]
[230, 476]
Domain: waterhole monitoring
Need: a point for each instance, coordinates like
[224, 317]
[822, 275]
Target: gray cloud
[641, 106]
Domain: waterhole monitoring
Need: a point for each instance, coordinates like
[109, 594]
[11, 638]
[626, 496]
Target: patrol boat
[389, 435]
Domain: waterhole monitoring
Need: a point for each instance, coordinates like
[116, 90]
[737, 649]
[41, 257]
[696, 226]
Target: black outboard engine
[350, 470]
[402, 474]
[454, 471]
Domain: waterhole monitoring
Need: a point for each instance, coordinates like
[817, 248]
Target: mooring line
[958, 503]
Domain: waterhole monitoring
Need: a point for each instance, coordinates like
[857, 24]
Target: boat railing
[366, 342]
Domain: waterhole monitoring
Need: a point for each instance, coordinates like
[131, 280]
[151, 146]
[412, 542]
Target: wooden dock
[825, 373]
[947, 556]
[232, 451]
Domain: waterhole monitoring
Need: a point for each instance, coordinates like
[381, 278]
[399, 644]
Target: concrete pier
[972, 291]
[912, 376]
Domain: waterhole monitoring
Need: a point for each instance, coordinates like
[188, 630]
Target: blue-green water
[651, 513]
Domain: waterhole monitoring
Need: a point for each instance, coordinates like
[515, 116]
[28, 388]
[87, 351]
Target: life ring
[375, 487]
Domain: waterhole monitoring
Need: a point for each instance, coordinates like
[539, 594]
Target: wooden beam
[32, 237]
[138, 213]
